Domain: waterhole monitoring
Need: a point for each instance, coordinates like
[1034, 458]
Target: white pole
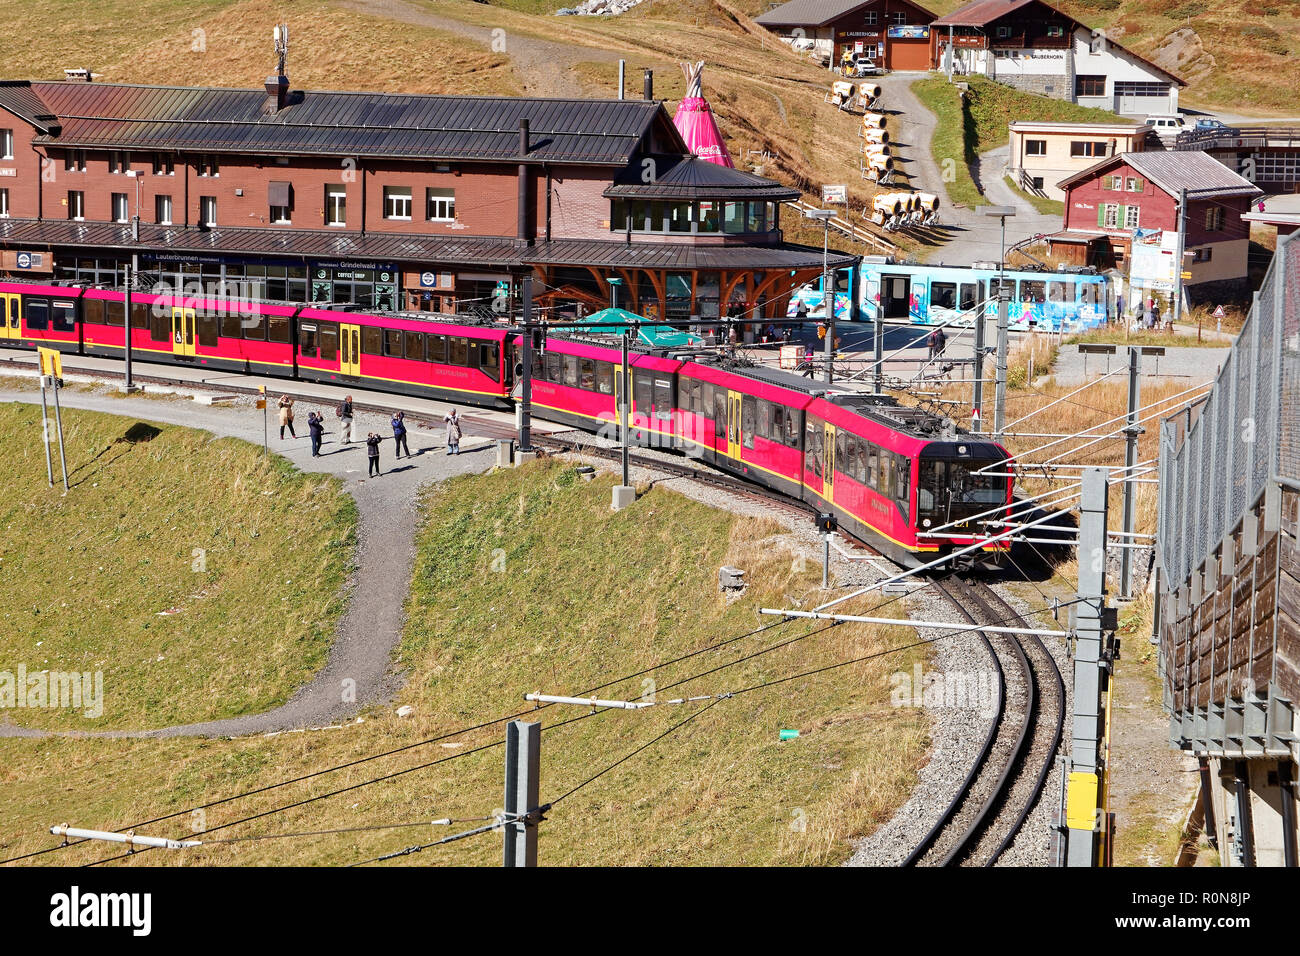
[909, 622]
[130, 839]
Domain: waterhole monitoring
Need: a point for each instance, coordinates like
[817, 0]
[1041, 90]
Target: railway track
[1011, 769]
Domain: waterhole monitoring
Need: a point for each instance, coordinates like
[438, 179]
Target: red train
[888, 472]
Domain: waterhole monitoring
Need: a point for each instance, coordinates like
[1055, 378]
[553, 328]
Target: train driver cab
[957, 482]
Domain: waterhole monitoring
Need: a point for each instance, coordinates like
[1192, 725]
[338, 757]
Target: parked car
[1167, 125]
[1209, 125]
[859, 65]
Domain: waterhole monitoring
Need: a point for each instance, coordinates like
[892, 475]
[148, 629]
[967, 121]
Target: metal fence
[1245, 434]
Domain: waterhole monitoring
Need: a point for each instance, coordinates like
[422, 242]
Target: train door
[182, 331]
[894, 297]
[734, 410]
[350, 349]
[9, 316]
[828, 481]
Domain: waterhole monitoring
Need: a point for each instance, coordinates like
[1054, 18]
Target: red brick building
[384, 201]
[1137, 194]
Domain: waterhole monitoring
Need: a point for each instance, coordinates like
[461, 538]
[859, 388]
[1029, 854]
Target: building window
[1133, 185]
[1089, 85]
[207, 210]
[1037, 181]
[120, 213]
[4, 204]
[119, 161]
[1110, 215]
[1055, 30]
[869, 18]
[1131, 214]
[6, 144]
[280, 215]
[397, 202]
[162, 210]
[1140, 88]
[441, 204]
[207, 166]
[163, 164]
[898, 17]
[76, 204]
[74, 161]
[1204, 254]
[1214, 219]
[336, 205]
[1035, 147]
[1087, 147]
[1004, 33]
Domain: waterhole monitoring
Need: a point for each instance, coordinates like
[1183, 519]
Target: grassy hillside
[199, 576]
[525, 580]
[978, 122]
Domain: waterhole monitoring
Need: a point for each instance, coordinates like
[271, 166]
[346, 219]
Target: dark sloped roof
[816, 13]
[680, 255]
[18, 97]
[298, 242]
[1203, 176]
[108, 115]
[692, 177]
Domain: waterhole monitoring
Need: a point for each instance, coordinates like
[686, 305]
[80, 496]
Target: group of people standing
[1146, 314]
[344, 411]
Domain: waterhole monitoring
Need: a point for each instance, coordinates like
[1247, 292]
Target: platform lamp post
[1004, 302]
[828, 288]
[129, 384]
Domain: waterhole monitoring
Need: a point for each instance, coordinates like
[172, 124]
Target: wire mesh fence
[1245, 434]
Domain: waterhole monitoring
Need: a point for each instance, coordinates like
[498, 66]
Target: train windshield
[951, 490]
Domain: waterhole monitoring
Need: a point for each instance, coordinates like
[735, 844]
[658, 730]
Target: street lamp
[1004, 296]
[828, 291]
[131, 275]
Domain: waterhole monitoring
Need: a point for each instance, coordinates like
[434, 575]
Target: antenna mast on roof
[281, 37]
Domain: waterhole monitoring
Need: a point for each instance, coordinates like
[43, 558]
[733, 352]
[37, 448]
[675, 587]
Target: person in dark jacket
[372, 449]
[399, 435]
[316, 426]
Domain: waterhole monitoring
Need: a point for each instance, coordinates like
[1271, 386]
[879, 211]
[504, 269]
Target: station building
[1037, 48]
[1129, 198]
[1042, 154]
[385, 201]
[894, 33]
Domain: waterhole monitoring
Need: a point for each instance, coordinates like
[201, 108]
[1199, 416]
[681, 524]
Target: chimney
[277, 92]
[523, 199]
[648, 85]
[524, 144]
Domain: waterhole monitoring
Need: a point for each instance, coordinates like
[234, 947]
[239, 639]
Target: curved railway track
[1011, 769]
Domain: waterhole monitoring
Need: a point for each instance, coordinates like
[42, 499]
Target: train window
[230, 324]
[554, 368]
[841, 450]
[933, 474]
[792, 428]
[457, 351]
[64, 314]
[813, 446]
[1060, 292]
[849, 464]
[307, 340]
[38, 314]
[372, 340]
[748, 413]
[943, 295]
[1010, 286]
[1033, 290]
[571, 371]
[886, 485]
[902, 479]
[160, 324]
[663, 398]
[413, 345]
[777, 434]
[605, 378]
[719, 412]
[329, 341]
[209, 327]
[970, 296]
[642, 392]
[393, 343]
[435, 348]
[587, 374]
[93, 310]
[115, 313]
[277, 328]
[764, 428]
[871, 468]
[489, 361]
[139, 315]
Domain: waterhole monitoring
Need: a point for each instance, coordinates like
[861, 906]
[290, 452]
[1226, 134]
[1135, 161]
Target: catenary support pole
[526, 387]
[45, 431]
[1000, 384]
[126, 324]
[58, 424]
[1178, 261]
[1083, 813]
[879, 356]
[1131, 432]
[523, 765]
[828, 300]
[977, 399]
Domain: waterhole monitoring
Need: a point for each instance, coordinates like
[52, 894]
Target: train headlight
[925, 522]
[961, 450]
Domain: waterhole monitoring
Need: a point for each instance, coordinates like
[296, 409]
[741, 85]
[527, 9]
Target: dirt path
[371, 625]
[544, 67]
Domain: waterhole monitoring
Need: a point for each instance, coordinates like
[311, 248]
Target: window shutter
[1141, 185]
[1101, 215]
[1119, 216]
